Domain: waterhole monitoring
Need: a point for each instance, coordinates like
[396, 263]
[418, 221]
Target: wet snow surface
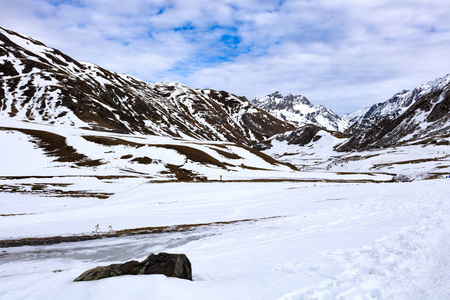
[325, 241]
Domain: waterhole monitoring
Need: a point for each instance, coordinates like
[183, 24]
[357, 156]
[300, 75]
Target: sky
[345, 55]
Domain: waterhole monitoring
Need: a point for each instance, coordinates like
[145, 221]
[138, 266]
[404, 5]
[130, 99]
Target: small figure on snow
[110, 228]
[97, 228]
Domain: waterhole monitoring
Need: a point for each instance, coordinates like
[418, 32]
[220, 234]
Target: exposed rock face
[171, 265]
[301, 136]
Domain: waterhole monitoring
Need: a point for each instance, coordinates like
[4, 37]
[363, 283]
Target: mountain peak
[292, 99]
[276, 94]
[298, 110]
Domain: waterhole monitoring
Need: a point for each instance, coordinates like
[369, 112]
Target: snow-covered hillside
[366, 118]
[297, 110]
[404, 163]
[43, 85]
[31, 149]
[353, 117]
[426, 121]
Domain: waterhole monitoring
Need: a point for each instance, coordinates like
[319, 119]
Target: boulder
[171, 265]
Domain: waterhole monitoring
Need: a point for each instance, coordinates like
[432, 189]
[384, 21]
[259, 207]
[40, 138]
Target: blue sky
[345, 54]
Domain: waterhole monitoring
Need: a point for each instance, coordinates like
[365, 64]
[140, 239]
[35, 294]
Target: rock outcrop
[171, 265]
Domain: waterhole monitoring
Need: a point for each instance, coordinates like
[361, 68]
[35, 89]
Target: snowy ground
[325, 241]
[339, 229]
[410, 162]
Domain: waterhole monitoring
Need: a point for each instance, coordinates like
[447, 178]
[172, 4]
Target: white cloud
[342, 54]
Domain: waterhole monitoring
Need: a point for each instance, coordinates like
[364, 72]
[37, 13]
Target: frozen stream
[106, 250]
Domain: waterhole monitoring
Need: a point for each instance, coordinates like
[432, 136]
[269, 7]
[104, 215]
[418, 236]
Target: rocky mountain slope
[297, 110]
[43, 85]
[427, 120]
[365, 118]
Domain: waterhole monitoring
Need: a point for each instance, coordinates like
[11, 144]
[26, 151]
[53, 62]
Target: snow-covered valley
[345, 226]
[342, 228]
[422, 160]
[98, 168]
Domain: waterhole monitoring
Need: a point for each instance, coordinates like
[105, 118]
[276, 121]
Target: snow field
[326, 241]
[414, 162]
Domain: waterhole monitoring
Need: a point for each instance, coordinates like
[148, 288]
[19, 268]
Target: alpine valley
[273, 198]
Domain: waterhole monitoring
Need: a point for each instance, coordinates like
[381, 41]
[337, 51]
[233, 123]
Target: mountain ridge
[426, 120]
[42, 84]
[365, 118]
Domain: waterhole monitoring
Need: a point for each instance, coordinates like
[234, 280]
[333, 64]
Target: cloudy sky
[345, 54]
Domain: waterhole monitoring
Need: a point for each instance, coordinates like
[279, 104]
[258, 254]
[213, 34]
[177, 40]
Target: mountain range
[42, 85]
[420, 116]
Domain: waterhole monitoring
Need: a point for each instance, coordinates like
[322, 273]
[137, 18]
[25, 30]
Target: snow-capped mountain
[43, 85]
[427, 120]
[353, 117]
[364, 119]
[297, 110]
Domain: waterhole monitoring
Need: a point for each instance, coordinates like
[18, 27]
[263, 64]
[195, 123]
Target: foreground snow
[307, 241]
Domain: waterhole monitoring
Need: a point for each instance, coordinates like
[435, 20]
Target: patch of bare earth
[110, 141]
[405, 162]
[52, 144]
[47, 191]
[183, 174]
[13, 215]
[55, 145]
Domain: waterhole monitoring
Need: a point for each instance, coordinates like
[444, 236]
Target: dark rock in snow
[171, 265]
[108, 271]
[302, 136]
